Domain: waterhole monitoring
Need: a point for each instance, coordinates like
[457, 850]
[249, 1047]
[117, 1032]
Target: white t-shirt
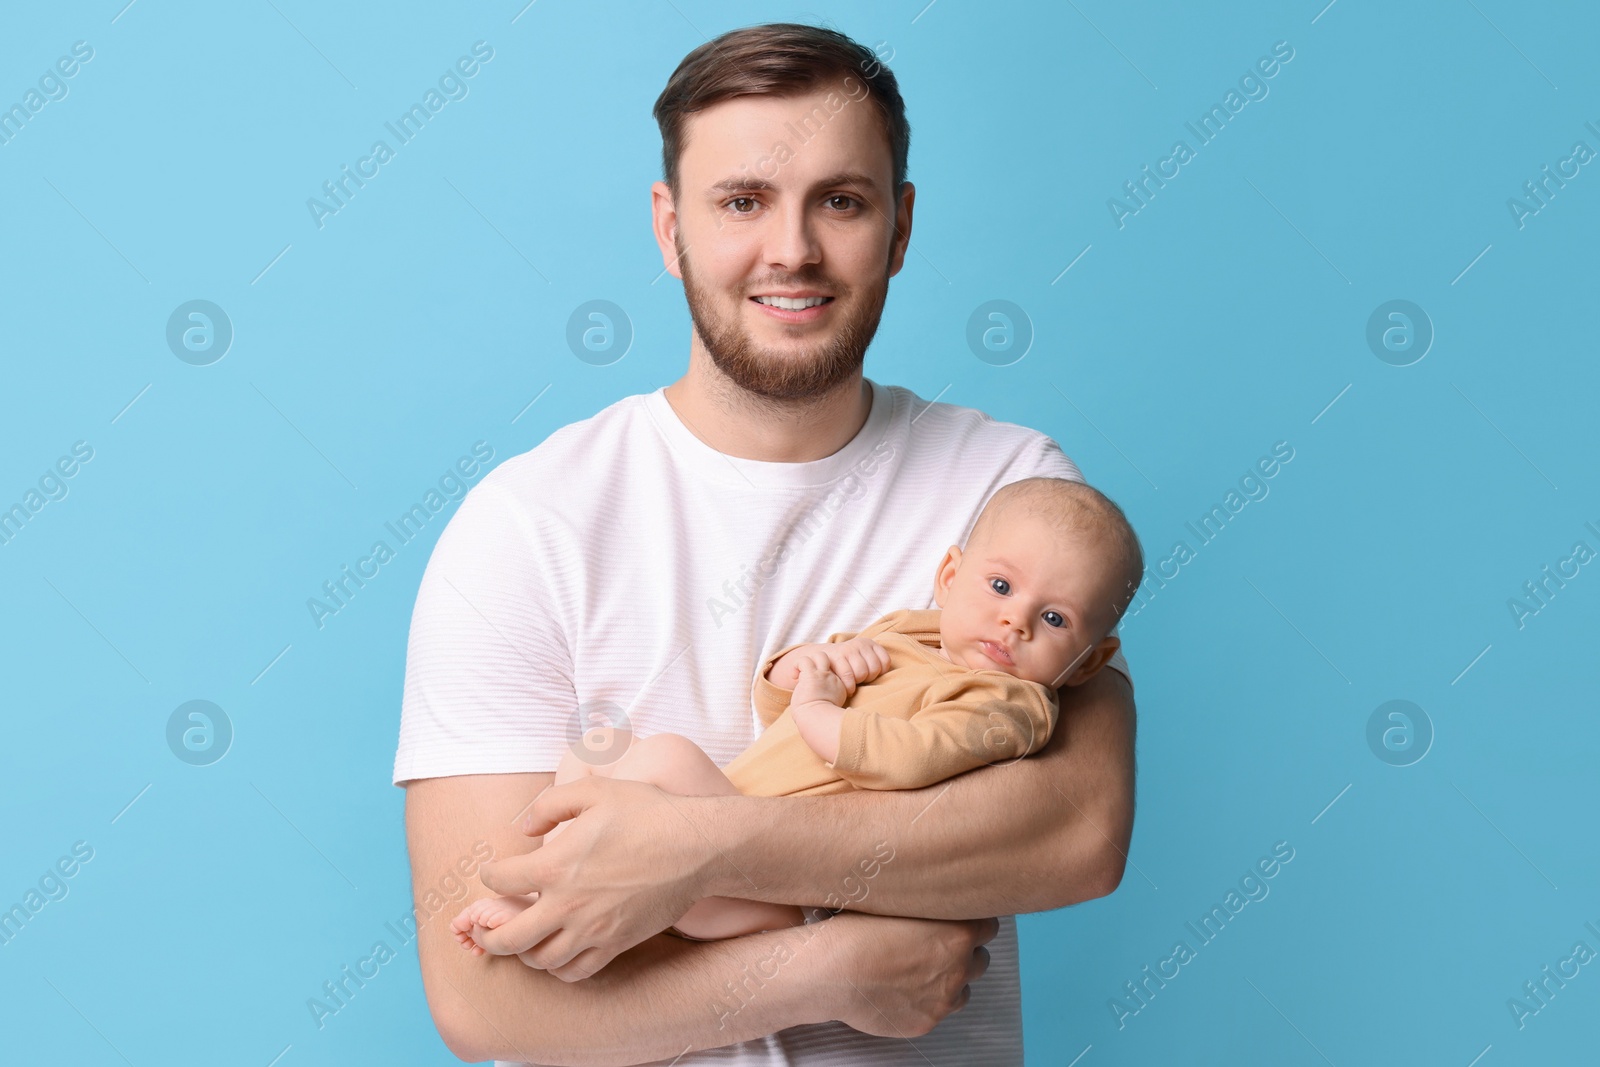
[623, 572]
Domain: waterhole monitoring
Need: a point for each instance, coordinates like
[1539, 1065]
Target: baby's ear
[1098, 658]
[946, 574]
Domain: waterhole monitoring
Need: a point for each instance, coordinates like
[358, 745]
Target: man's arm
[669, 991]
[1030, 835]
[665, 996]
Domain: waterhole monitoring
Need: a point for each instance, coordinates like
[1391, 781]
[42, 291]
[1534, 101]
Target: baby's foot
[485, 914]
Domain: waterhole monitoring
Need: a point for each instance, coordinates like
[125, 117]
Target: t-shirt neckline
[720, 467]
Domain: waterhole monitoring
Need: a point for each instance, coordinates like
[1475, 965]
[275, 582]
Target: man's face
[785, 197]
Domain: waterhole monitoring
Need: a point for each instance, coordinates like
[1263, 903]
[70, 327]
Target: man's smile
[806, 307]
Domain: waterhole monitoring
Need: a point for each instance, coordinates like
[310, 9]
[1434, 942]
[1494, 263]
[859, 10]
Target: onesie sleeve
[771, 700]
[964, 722]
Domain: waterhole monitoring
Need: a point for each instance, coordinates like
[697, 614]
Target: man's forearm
[1030, 835]
[658, 1000]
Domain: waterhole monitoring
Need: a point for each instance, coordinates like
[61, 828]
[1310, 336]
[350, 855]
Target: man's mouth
[794, 310]
[790, 303]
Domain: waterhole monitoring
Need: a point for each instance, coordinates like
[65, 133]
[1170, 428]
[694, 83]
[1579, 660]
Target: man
[633, 569]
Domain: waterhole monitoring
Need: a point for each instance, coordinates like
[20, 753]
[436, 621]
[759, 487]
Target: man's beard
[795, 374]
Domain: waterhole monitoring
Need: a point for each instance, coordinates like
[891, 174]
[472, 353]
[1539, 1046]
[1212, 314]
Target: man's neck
[741, 424]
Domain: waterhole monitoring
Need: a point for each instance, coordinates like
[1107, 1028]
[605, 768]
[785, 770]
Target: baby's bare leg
[676, 765]
[599, 754]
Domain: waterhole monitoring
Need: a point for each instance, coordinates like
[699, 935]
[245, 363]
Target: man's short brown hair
[777, 59]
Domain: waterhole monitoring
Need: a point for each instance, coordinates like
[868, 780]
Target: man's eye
[1054, 618]
[740, 200]
[1000, 585]
[848, 200]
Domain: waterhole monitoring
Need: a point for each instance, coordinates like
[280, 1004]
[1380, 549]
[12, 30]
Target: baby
[918, 696]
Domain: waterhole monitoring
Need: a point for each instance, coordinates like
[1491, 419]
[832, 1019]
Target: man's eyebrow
[751, 184]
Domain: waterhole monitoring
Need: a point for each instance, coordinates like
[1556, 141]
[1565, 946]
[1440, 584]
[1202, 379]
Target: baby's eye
[1054, 618]
[1000, 585]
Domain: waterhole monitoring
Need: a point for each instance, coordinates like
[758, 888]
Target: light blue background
[1224, 317]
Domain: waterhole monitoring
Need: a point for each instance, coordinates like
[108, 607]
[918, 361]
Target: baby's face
[1027, 600]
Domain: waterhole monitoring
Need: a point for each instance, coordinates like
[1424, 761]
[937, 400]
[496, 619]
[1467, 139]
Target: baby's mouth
[998, 653]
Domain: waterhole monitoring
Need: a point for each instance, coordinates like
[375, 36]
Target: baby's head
[1048, 570]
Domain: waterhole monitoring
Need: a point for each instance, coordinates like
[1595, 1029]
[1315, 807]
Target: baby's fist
[858, 660]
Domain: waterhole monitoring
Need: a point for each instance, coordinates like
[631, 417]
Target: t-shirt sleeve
[1046, 460]
[965, 722]
[489, 680]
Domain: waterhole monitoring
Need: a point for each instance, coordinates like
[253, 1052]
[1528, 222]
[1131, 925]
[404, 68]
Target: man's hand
[905, 975]
[631, 862]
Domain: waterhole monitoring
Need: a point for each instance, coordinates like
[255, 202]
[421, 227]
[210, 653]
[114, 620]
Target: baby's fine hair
[1073, 508]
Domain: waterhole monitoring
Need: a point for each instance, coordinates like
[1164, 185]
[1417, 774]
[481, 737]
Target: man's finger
[514, 876]
[558, 804]
[566, 957]
[584, 964]
[978, 965]
[522, 933]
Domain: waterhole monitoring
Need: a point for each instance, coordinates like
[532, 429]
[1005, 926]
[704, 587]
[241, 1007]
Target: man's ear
[945, 574]
[902, 227]
[664, 222]
[1098, 658]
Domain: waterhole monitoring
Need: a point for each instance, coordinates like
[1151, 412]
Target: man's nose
[792, 242]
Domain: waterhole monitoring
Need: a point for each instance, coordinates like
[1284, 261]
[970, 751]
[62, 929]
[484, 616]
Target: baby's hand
[819, 682]
[858, 660]
[485, 914]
